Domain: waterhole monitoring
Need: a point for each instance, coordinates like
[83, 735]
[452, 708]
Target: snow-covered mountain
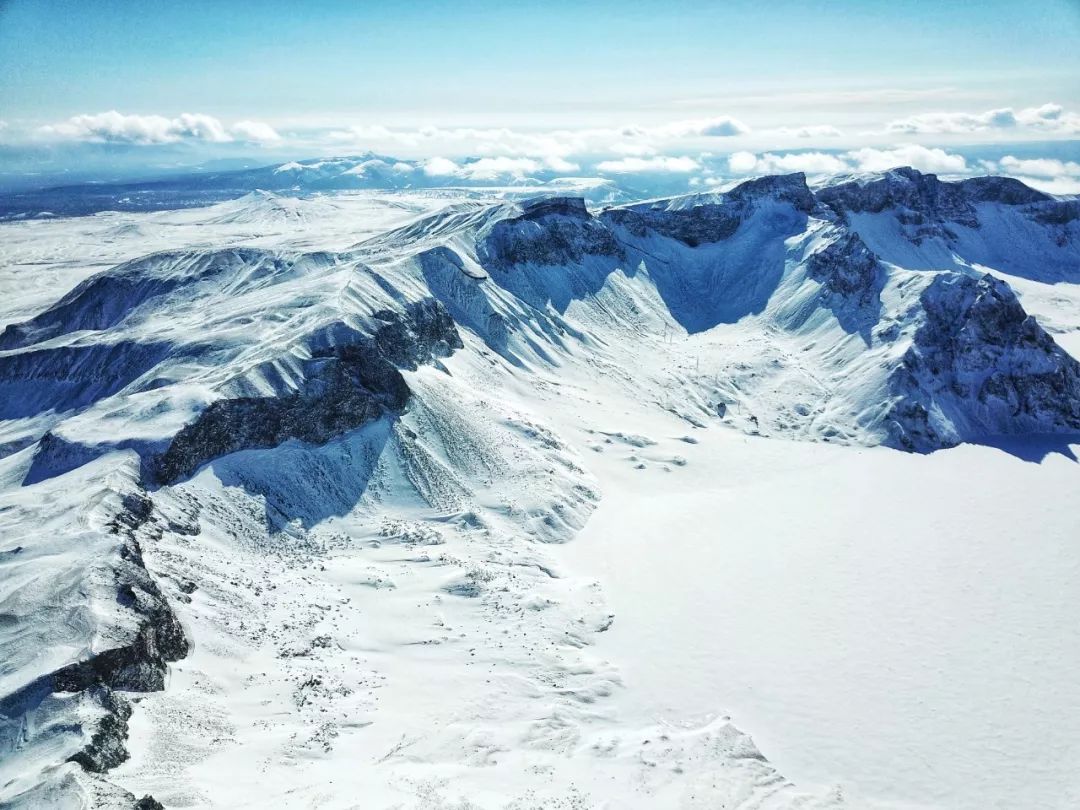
[325, 474]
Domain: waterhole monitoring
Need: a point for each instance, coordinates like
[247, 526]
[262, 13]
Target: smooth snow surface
[898, 625]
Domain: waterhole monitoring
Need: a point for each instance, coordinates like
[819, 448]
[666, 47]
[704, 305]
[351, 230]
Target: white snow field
[447, 499]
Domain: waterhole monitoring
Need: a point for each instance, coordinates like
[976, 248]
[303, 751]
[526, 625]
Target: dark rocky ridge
[712, 222]
[137, 666]
[852, 279]
[982, 361]
[352, 380]
[920, 199]
[550, 231]
[67, 378]
[847, 267]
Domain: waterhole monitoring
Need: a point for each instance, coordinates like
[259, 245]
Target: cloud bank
[116, 127]
[1049, 119]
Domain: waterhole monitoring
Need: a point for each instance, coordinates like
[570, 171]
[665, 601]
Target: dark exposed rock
[346, 385]
[140, 665]
[561, 206]
[1058, 212]
[463, 296]
[106, 748]
[789, 188]
[852, 279]
[848, 268]
[980, 366]
[148, 802]
[711, 222]
[1002, 190]
[551, 231]
[928, 205]
[917, 198]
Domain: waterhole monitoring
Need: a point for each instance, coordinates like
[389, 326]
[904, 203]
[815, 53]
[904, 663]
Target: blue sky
[686, 77]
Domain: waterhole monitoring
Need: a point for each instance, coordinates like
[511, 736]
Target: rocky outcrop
[927, 204]
[83, 699]
[851, 279]
[916, 198]
[462, 294]
[847, 268]
[712, 220]
[349, 382]
[107, 745]
[980, 366]
[549, 231]
[140, 665]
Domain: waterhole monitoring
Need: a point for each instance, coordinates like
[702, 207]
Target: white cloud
[1053, 185]
[254, 131]
[720, 127]
[116, 127]
[1039, 167]
[1051, 118]
[860, 160]
[816, 131]
[633, 149]
[558, 164]
[491, 168]
[742, 162]
[440, 167]
[768, 163]
[659, 163]
[918, 157]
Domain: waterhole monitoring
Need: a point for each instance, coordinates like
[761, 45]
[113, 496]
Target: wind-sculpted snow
[71, 377]
[334, 477]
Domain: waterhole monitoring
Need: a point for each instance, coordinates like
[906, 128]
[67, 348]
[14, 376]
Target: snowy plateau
[513, 498]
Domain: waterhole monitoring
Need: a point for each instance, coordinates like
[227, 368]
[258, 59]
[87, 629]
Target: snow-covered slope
[316, 478]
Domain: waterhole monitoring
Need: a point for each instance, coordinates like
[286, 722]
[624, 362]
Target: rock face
[106, 748]
[713, 221]
[848, 268]
[980, 365]
[88, 689]
[550, 231]
[916, 197]
[141, 665]
[71, 377]
[851, 279]
[927, 202]
[348, 383]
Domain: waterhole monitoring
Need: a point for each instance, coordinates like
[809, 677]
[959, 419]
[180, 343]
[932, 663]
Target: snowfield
[465, 499]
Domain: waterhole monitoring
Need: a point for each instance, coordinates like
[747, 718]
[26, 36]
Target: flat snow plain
[898, 625]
